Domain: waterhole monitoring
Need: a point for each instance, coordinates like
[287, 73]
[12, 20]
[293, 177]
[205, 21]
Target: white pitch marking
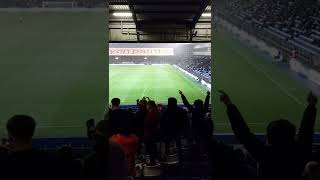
[272, 80]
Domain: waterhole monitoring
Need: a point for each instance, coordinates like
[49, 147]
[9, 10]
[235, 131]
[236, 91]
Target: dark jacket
[198, 120]
[230, 163]
[276, 164]
[117, 118]
[30, 164]
[139, 121]
[172, 121]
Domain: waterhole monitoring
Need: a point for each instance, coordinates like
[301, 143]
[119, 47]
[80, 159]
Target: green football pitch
[262, 90]
[159, 82]
[53, 66]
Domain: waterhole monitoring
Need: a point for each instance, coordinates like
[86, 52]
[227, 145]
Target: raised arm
[306, 130]
[206, 102]
[241, 129]
[185, 101]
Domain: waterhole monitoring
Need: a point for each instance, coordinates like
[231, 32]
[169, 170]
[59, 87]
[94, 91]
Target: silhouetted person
[199, 110]
[139, 120]
[151, 126]
[285, 155]
[117, 117]
[129, 143]
[172, 120]
[226, 161]
[23, 161]
[107, 161]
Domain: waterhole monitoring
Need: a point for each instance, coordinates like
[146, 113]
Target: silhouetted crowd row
[125, 135]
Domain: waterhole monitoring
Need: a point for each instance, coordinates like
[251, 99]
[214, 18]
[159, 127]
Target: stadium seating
[199, 66]
[297, 22]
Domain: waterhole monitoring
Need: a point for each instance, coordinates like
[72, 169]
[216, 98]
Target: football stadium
[159, 89]
[158, 71]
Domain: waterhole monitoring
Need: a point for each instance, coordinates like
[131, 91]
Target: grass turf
[53, 67]
[262, 90]
[159, 82]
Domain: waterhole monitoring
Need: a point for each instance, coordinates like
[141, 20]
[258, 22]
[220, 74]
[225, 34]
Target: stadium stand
[199, 66]
[287, 25]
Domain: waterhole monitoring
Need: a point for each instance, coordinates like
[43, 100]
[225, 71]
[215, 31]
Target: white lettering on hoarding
[141, 52]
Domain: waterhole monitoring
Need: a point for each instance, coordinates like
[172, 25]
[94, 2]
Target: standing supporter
[226, 161]
[129, 143]
[172, 121]
[139, 121]
[23, 161]
[151, 126]
[285, 155]
[198, 111]
[117, 117]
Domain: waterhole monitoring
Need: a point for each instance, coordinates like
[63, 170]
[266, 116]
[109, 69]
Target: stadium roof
[160, 15]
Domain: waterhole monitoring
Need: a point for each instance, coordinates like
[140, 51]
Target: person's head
[281, 133]
[21, 129]
[142, 104]
[172, 102]
[151, 105]
[115, 103]
[198, 104]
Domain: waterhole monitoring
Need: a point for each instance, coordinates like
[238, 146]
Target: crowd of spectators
[124, 135]
[294, 24]
[198, 65]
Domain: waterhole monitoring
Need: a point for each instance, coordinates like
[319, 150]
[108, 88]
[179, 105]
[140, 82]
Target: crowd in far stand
[124, 135]
[200, 66]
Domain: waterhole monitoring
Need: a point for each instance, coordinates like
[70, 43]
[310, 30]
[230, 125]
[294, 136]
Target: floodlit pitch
[159, 82]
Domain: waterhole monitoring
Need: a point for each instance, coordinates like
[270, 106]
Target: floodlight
[122, 14]
[206, 15]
